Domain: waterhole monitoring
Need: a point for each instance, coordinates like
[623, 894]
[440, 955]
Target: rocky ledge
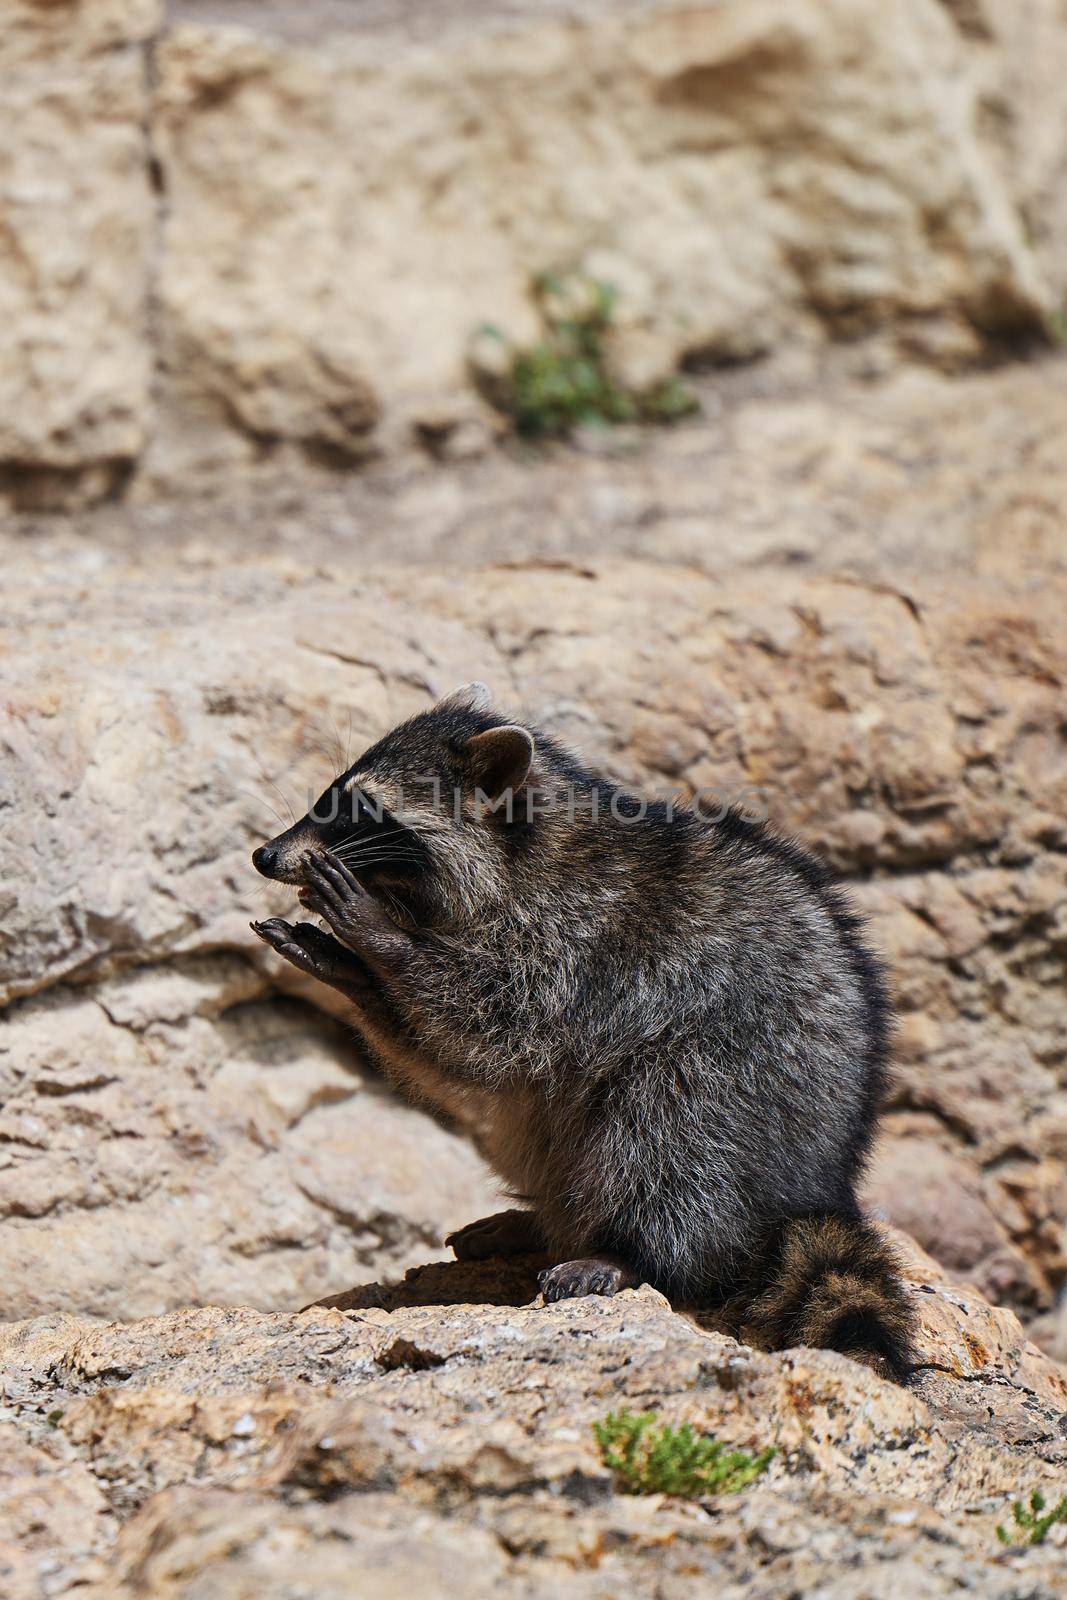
[436, 1438]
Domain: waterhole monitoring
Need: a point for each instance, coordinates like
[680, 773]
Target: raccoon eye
[326, 807]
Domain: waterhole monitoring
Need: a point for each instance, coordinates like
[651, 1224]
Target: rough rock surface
[856, 468]
[912, 733]
[176, 1137]
[77, 232]
[437, 1438]
[1018, 50]
[340, 222]
[225, 244]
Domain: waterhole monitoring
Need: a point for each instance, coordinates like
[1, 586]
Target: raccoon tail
[831, 1281]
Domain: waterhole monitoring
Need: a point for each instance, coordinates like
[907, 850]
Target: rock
[440, 1433]
[1020, 61]
[313, 281]
[170, 1133]
[923, 1181]
[53, 1516]
[834, 475]
[342, 206]
[38, 31]
[75, 246]
[175, 1136]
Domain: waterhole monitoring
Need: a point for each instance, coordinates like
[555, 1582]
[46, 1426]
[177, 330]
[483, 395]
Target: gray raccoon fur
[668, 1029]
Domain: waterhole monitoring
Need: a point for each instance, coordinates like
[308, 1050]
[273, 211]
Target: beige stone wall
[336, 216]
[77, 235]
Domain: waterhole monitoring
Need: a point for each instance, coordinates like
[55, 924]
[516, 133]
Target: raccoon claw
[275, 931]
[574, 1278]
[508, 1233]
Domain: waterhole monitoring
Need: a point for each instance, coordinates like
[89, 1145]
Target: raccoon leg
[508, 1233]
[597, 1275]
[355, 917]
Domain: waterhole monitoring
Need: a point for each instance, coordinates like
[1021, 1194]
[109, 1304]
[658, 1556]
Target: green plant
[651, 1458]
[565, 379]
[1031, 1523]
[669, 400]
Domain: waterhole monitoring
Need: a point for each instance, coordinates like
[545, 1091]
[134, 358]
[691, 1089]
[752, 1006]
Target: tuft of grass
[669, 400]
[565, 380]
[1032, 1522]
[652, 1458]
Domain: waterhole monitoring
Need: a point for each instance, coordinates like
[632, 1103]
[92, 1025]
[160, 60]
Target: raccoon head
[420, 818]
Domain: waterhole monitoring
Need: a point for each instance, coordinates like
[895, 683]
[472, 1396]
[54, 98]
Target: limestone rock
[342, 219]
[407, 1444]
[343, 204]
[1019, 54]
[53, 1517]
[824, 472]
[36, 32]
[175, 1136]
[76, 240]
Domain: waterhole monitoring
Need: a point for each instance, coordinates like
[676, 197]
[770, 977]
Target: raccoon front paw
[507, 1233]
[354, 916]
[309, 949]
[574, 1278]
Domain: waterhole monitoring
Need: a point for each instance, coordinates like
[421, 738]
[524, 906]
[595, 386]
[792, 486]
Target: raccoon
[667, 1027]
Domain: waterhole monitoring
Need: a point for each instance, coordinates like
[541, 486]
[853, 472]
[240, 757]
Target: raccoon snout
[265, 860]
[282, 859]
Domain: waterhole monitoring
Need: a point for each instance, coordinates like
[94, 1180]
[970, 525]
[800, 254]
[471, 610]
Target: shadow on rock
[510, 1282]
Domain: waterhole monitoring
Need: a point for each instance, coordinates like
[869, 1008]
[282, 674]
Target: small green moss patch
[648, 1457]
[1031, 1522]
[565, 381]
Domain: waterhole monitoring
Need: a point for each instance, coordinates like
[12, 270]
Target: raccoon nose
[265, 860]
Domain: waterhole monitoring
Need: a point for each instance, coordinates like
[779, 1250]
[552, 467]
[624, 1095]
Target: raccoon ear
[500, 759]
[471, 697]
